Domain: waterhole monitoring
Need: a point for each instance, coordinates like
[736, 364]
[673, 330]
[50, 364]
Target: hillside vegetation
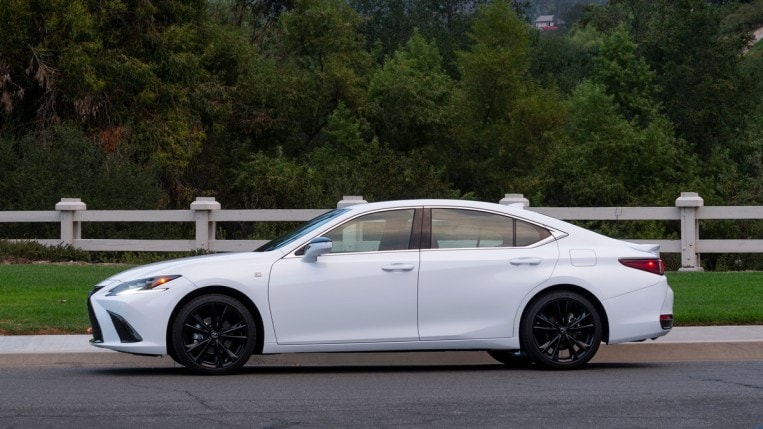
[284, 104]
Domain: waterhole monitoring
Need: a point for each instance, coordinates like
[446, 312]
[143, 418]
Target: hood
[186, 266]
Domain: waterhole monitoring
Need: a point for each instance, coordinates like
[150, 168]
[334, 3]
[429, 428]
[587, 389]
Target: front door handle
[398, 267]
[526, 261]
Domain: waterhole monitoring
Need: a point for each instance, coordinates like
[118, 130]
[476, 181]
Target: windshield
[300, 231]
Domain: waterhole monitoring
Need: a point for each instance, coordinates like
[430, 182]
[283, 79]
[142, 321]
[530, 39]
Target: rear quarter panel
[632, 299]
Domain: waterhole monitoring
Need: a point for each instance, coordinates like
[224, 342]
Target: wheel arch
[577, 289]
[223, 290]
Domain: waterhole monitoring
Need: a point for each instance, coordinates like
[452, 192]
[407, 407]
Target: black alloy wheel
[213, 334]
[561, 330]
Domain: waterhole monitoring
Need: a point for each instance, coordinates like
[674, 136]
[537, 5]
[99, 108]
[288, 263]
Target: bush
[37, 170]
[28, 251]
[25, 252]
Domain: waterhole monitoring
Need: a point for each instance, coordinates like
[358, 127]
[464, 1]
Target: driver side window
[388, 230]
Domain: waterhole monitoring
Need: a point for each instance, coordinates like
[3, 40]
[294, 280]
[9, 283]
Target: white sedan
[395, 276]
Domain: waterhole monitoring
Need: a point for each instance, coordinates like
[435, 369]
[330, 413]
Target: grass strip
[717, 298]
[50, 298]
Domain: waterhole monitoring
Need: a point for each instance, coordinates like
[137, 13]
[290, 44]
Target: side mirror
[318, 246]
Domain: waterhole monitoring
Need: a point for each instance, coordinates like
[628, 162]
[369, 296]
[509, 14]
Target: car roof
[425, 202]
[513, 210]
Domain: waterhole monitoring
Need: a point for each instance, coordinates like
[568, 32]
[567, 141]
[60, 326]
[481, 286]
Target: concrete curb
[689, 337]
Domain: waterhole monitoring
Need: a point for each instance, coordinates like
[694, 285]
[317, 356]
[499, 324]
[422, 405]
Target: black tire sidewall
[527, 337]
[177, 334]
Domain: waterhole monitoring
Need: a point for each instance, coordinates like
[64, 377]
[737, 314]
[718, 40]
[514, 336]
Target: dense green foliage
[294, 103]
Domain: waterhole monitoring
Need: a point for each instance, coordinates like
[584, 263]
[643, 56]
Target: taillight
[652, 265]
[666, 321]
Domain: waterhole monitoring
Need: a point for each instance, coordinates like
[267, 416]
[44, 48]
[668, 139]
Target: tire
[511, 358]
[561, 330]
[213, 334]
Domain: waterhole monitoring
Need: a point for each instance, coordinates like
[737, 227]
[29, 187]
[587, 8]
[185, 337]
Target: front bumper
[136, 322]
[125, 331]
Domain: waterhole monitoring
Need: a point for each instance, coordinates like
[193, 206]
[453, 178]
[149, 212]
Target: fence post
[350, 200]
[70, 228]
[688, 203]
[205, 228]
[510, 199]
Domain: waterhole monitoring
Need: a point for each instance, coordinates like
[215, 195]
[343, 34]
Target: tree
[626, 77]
[696, 66]
[605, 160]
[129, 73]
[389, 24]
[408, 97]
[322, 38]
[347, 163]
[48, 64]
[559, 60]
[386, 25]
[260, 16]
[493, 69]
[694, 59]
[502, 121]
[747, 17]
[737, 168]
[35, 175]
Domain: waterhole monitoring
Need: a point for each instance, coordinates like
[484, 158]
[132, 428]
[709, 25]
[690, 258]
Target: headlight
[151, 283]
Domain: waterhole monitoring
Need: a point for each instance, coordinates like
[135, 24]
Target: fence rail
[205, 213]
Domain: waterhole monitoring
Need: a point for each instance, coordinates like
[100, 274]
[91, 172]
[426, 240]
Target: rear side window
[527, 234]
[461, 228]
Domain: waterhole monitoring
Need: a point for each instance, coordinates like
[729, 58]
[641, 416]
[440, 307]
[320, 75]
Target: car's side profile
[395, 276]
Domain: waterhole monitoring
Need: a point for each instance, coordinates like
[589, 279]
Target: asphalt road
[620, 389]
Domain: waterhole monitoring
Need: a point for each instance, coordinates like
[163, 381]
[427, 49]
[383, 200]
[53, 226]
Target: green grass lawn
[718, 298]
[50, 298]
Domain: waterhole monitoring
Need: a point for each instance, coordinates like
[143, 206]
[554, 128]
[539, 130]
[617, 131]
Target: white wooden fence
[205, 213]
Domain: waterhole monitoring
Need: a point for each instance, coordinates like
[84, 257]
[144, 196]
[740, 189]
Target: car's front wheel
[213, 334]
[561, 330]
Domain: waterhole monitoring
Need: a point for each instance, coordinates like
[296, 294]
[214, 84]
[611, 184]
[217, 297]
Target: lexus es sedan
[414, 275]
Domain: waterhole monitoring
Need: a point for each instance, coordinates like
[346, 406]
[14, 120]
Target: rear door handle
[398, 267]
[526, 261]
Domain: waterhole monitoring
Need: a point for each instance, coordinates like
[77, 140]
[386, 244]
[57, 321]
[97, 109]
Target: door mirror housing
[318, 246]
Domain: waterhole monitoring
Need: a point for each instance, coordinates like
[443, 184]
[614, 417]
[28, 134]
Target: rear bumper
[640, 315]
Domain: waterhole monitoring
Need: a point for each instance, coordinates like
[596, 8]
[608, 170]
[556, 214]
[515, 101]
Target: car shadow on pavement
[269, 369]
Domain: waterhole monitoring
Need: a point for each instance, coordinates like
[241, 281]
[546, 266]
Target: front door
[365, 290]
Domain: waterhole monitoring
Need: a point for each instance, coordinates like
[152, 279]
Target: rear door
[477, 269]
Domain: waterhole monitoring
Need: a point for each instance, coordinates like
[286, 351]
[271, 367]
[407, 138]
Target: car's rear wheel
[561, 330]
[213, 334]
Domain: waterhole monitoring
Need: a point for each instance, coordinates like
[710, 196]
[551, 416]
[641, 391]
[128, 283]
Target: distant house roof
[546, 23]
